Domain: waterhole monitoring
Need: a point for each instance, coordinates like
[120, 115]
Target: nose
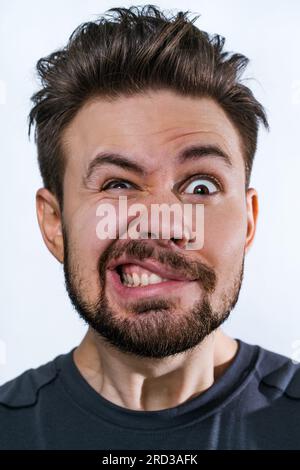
[162, 217]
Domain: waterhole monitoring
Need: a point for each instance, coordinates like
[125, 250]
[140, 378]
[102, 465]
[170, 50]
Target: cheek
[225, 229]
[86, 247]
[93, 230]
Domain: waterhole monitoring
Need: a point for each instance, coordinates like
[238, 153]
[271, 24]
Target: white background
[37, 321]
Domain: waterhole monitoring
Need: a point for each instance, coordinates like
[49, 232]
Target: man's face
[202, 286]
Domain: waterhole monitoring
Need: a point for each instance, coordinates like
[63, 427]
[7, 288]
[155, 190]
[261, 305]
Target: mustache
[142, 250]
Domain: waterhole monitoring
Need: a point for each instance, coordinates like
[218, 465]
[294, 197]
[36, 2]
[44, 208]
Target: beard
[152, 330]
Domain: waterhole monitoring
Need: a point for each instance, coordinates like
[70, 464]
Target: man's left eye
[117, 184]
[202, 186]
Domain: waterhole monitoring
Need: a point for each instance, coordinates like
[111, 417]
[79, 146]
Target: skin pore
[151, 129]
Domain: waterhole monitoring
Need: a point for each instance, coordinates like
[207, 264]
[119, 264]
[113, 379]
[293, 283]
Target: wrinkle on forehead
[140, 124]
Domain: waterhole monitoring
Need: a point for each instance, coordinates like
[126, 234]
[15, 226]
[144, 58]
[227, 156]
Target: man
[145, 109]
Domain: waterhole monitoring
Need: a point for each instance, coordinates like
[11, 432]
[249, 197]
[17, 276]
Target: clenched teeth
[136, 280]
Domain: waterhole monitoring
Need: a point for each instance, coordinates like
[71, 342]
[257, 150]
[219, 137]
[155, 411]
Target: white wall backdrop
[37, 321]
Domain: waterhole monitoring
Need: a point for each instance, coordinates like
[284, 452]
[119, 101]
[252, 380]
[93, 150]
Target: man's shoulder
[23, 390]
[273, 370]
[279, 372]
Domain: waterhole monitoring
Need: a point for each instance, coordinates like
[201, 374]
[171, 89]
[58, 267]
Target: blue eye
[202, 187]
[117, 184]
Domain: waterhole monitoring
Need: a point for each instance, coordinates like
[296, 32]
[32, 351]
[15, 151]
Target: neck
[153, 384]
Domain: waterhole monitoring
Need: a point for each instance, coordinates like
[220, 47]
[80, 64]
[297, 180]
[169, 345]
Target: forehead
[148, 126]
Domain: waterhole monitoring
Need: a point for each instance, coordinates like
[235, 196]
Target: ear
[252, 215]
[50, 222]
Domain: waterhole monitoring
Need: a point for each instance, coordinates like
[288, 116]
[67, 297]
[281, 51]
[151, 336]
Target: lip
[151, 265]
[134, 293]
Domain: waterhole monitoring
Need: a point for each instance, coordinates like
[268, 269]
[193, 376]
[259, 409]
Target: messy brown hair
[127, 51]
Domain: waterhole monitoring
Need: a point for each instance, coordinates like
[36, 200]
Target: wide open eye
[202, 186]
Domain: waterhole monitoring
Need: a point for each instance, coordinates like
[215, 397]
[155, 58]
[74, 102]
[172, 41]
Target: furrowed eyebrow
[190, 153]
[107, 158]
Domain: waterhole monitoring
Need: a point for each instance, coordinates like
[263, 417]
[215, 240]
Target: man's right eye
[117, 184]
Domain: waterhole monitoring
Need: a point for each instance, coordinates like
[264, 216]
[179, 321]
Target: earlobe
[252, 215]
[50, 222]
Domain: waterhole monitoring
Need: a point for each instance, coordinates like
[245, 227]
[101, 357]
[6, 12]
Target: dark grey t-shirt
[255, 404]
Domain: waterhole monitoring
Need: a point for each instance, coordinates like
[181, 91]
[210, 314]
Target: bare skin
[151, 129]
[157, 384]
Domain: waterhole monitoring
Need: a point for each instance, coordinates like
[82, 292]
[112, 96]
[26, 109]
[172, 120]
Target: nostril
[180, 242]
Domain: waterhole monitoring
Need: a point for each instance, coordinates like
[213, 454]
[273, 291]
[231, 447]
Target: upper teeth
[144, 279]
